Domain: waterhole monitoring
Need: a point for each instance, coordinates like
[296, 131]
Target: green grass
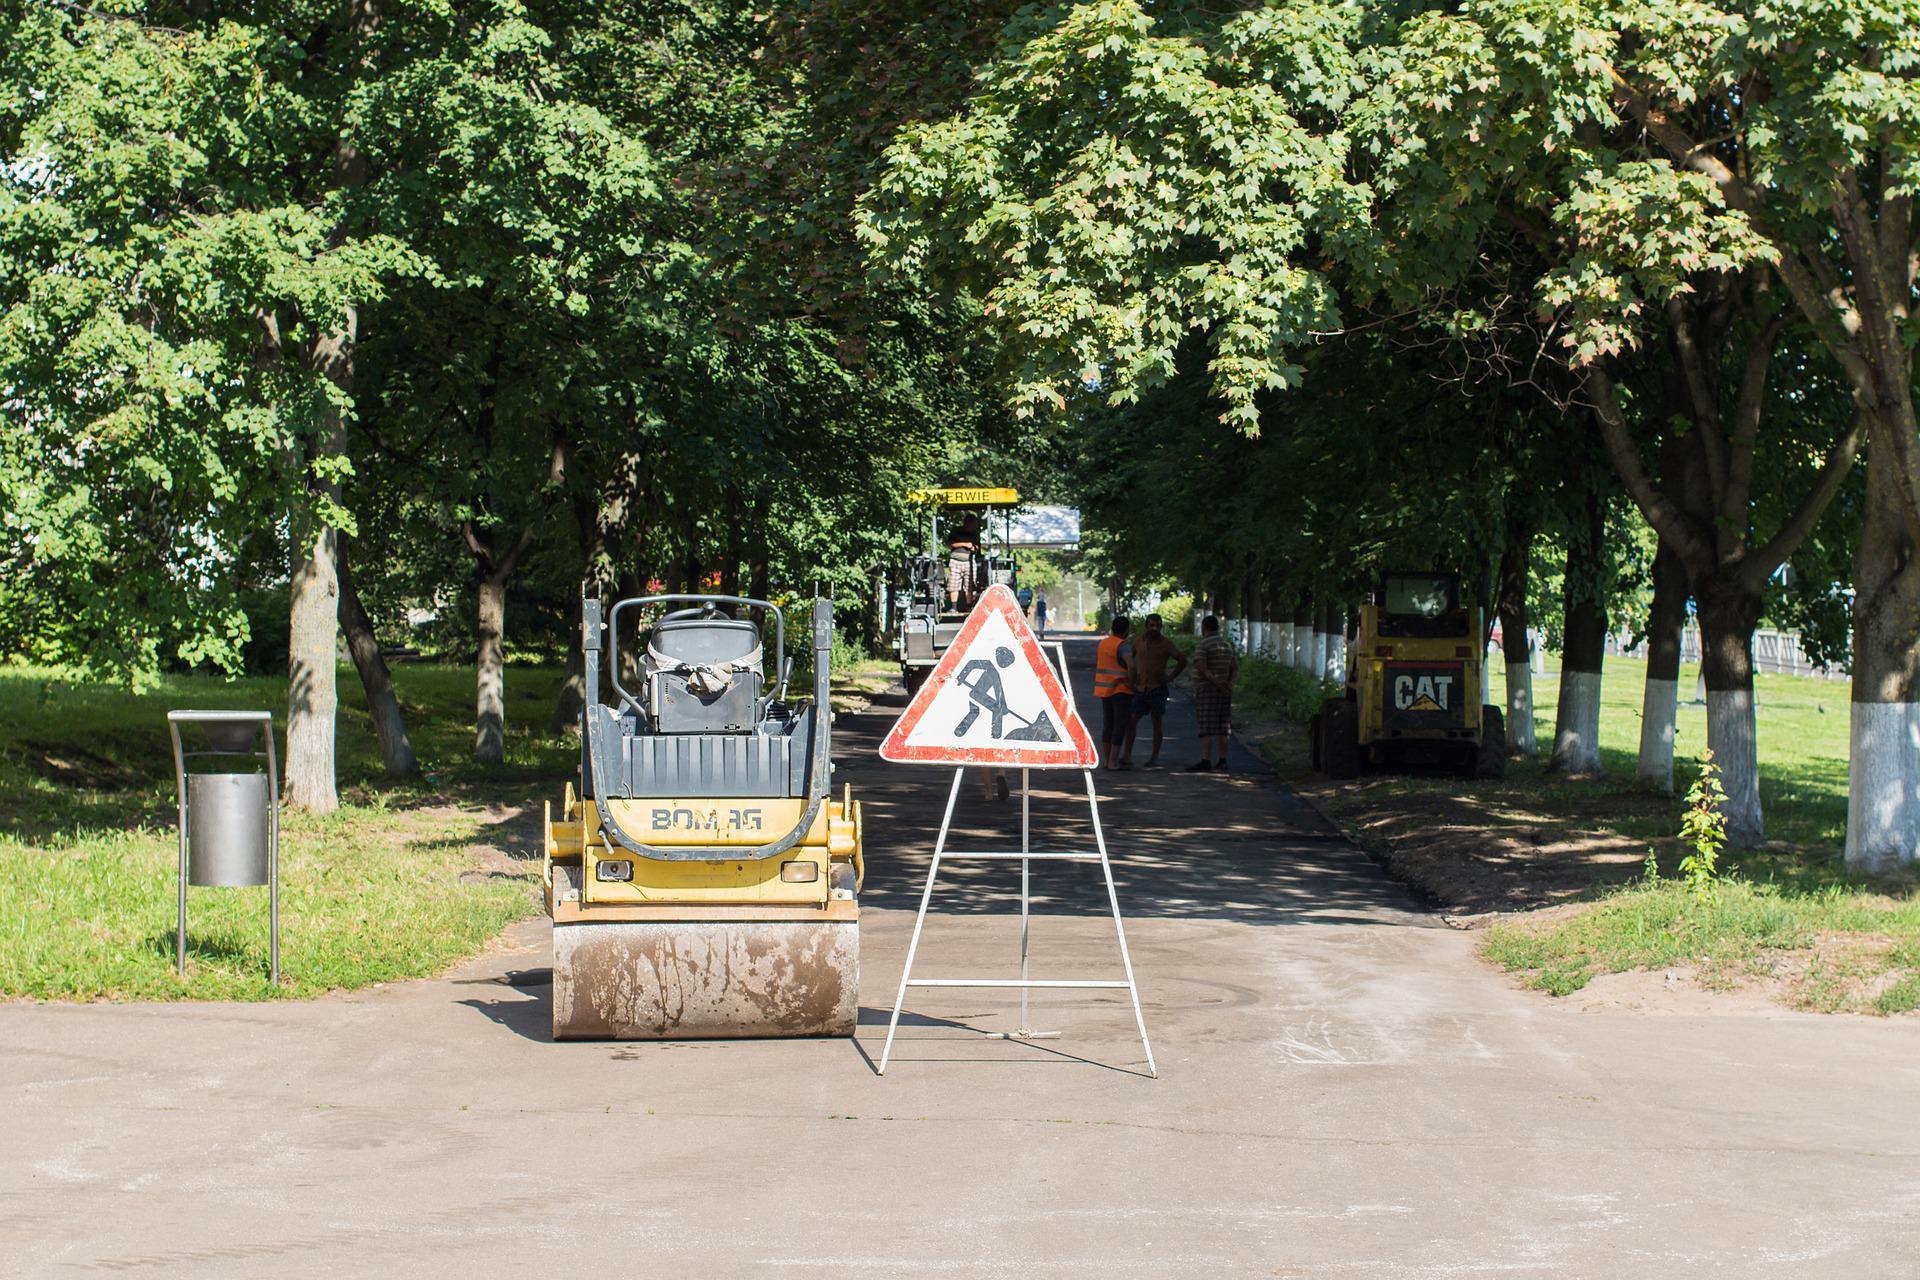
[1788, 915]
[1834, 947]
[403, 881]
[1802, 724]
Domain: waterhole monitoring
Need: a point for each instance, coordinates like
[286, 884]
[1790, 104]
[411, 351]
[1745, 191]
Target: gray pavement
[1345, 1091]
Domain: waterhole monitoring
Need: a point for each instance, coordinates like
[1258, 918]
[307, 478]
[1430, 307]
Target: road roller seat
[703, 673]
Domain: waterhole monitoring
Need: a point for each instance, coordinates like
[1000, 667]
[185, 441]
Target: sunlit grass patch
[1833, 946]
[406, 879]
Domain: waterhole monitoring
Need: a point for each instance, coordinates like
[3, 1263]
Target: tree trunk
[1662, 693]
[1302, 632]
[311, 694]
[1728, 616]
[1883, 770]
[1576, 728]
[1336, 668]
[1516, 645]
[878, 602]
[389, 728]
[314, 623]
[573, 693]
[1317, 648]
[490, 711]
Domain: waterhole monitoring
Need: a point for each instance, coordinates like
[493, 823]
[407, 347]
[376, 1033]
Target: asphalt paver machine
[942, 583]
[1415, 671]
[704, 881]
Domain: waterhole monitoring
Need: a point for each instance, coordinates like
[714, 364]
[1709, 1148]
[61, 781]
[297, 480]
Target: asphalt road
[1345, 1090]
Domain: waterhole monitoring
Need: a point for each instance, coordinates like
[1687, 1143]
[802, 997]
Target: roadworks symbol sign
[992, 700]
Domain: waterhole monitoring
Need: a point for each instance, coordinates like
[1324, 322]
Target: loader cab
[1423, 606]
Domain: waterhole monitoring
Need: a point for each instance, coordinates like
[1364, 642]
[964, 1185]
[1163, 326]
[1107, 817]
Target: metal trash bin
[227, 829]
[229, 820]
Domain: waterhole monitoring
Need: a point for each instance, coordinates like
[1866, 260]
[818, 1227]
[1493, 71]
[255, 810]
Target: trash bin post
[222, 844]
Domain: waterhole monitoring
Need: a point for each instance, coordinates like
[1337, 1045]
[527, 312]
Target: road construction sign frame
[971, 686]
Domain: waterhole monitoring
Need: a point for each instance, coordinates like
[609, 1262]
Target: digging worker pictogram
[981, 679]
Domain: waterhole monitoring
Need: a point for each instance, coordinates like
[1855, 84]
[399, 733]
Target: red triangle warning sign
[993, 700]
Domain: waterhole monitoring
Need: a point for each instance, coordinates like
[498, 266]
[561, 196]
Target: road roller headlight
[799, 872]
[613, 870]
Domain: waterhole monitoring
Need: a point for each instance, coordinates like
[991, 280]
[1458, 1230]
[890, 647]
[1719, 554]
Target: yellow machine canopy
[967, 497]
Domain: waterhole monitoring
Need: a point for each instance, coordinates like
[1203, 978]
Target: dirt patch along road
[1345, 1091]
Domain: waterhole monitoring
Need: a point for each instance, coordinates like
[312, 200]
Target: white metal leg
[1026, 847]
[933, 872]
[1119, 930]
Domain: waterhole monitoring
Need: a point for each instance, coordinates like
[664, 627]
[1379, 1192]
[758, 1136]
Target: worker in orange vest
[1110, 664]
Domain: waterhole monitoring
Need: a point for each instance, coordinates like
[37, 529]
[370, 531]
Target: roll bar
[636, 602]
[819, 772]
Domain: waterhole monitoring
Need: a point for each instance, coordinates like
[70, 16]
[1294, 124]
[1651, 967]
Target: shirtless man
[1150, 680]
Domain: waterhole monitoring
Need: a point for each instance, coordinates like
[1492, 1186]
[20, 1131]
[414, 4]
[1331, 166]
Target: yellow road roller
[704, 882]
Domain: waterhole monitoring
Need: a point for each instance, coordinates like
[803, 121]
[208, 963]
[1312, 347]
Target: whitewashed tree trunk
[1576, 726]
[1317, 654]
[1516, 640]
[1883, 786]
[1732, 737]
[1576, 723]
[1883, 770]
[490, 705]
[1657, 709]
[1520, 734]
[1727, 619]
[1665, 624]
[1337, 656]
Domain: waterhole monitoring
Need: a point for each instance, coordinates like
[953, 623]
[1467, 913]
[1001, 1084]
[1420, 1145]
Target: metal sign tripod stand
[1026, 855]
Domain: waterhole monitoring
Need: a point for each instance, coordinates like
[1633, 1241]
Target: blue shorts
[1150, 702]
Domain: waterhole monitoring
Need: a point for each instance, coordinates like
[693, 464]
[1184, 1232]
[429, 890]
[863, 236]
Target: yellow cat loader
[1413, 686]
[704, 881]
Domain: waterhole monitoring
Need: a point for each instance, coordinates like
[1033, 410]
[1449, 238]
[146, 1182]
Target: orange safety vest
[1109, 673]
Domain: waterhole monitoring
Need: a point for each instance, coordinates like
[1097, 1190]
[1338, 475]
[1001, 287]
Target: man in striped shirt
[1215, 668]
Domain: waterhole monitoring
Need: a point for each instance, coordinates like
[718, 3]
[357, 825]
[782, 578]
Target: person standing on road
[1040, 612]
[963, 546]
[1150, 679]
[1215, 668]
[1110, 663]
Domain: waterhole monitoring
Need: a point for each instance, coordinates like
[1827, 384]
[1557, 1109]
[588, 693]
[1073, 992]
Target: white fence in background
[1778, 652]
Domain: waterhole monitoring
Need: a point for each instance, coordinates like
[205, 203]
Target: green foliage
[1269, 690]
[170, 237]
[848, 652]
[1115, 187]
[1704, 829]
[1176, 614]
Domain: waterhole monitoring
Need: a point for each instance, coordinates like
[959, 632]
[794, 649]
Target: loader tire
[1339, 738]
[1490, 757]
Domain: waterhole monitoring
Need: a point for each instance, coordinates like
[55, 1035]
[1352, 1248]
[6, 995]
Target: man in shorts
[1215, 668]
[963, 545]
[1148, 675]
